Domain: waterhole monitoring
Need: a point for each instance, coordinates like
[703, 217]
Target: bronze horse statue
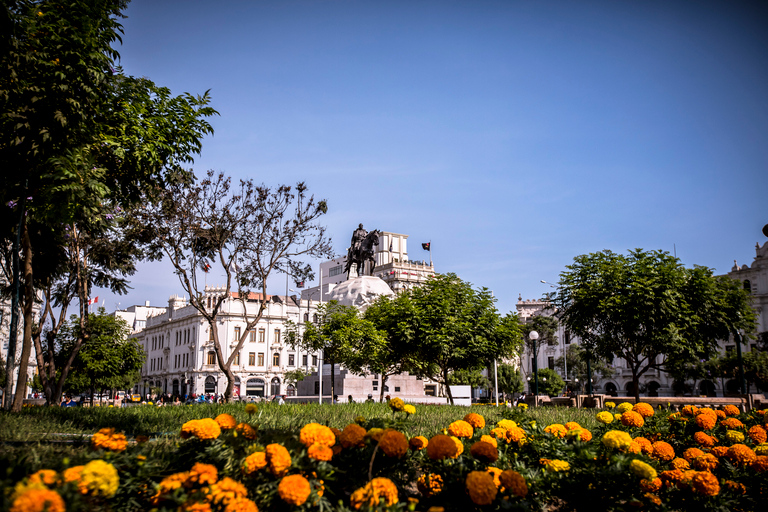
[363, 253]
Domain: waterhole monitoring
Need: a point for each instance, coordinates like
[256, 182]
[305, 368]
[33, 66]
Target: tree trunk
[381, 393]
[29, 301]
[333, 378]
[636, 384]
[447, 387]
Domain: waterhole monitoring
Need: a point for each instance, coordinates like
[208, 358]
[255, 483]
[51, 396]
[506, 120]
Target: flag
[205, 266]
[426, 246]
[299, 284]
[93, 301]
[390, 246]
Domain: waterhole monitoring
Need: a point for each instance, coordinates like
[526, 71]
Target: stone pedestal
[360, 291]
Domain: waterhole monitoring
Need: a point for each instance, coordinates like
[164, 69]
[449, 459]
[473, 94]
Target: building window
[314, 360]
[314, 318]
[276, 359]
[237, 359]
[551, 362]
[237, 334]
[211, 357]
[567, 337]
[375, 383]
[252, 358]
[304, 360]
[397, 389]
[261, 358]
[747, 286]
[291, 360]
[277, 336]
[335, 271]
[261, 335]
[306, 317]
[252, 336]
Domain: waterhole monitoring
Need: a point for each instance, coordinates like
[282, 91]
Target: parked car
[135, 397]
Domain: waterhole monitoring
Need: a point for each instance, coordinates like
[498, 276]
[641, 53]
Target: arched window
[653, 388]
[175, 387]
[290, 390]
[314, 318]
[748, 286]
[254, 387]
[210, 384]
[211, 357]
[306, 317]
[275, 386]
[275, 360]
[707, 388]
[610, 389]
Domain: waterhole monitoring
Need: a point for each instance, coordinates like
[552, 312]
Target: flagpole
[430, 252]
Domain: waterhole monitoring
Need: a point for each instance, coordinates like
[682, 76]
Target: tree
[83, 142]
[343, 336]
[455, 327]
[550, 382]
[473, 378]
[109, 361]
[648, 309]
[295, 376]
[546, 326]
[249, 233]
[509, 378]
[577, 367]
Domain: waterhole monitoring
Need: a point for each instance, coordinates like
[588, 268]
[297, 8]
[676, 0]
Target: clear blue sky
[513, 135]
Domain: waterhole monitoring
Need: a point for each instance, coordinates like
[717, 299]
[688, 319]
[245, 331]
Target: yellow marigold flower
[108, 439]
[610, 405]
[734, 436]
[490, 440]
[650, 485]
[396, 404]
[484, 452]
[706, 462]
[442, 446]
[643, 409]
[393, 443]
[617, 416]
[352, 435]
[360, 420]
[681, 464]
[239, 504]
[278, 458]
[409, 409]
[731, 410]
[375, 434]
[481, 489]
[632, 419]
[691, 453]
[624, 407]
[294, 489]
[254, 462]
[251, 409]
[226, 421]
[605, 417]
[475, 420]
[523, 406]
[704, 439]
[762, 449]
[418, 443]
[99, 478]
[320, 451]
[43, 476]
[662, 451]
[689, 410]
[506, 424]
[741, 454]
[706, 421]
[760, 464]
[556, 429]
[313, 433]
[555, 465]
[515, 482]
[373, 491]
[38, 500]
[616, 440]
[226, 490]
[430, 484]
[203, 474]
[246, 431]
[705, 483]
[757, 434]
[460, 428]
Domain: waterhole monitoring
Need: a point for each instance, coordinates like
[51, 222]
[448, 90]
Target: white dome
[359, 291]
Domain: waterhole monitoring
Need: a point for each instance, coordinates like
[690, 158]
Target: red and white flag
[93, 301]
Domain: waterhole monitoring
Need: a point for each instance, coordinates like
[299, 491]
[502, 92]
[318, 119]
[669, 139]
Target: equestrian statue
[362, 249]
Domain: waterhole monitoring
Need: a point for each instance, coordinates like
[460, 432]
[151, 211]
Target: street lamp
[738, 339]
[533, 336]
[565, 351]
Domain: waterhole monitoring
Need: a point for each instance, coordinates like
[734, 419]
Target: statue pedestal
[359, 291]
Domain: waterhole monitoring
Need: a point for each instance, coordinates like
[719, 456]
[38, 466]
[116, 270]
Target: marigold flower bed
[635, 458]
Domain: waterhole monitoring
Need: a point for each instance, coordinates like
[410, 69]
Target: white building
[5, 335]
[754, 279]
[180, 355]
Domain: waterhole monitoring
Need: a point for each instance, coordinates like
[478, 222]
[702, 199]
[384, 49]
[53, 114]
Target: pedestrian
[369, 400]
[350, 400]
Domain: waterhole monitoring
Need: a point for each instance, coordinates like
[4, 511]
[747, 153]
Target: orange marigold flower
[320, 451]
[689, 410]
[634, 448]
[442, 446]
[632, 419]
[681, 464]
[459, 446]
[706, 462]
[393, 443]
[652, 498]
[515, 482]
[373, 491]
[645, 410]
[108, 439]
[556, 429]
[43, 476]
[196, 507]
[719, 451]
[226, 421]
[475, 420]
[254, 462]
[226, 490]
[731, 410]
[460, 428]
[352, 435]
[704, 439]
[430, 484]
[757, 434]
[499, 433]
[278, 458]
[734, 487]
[672, 477]
[741, 454]
[760, 464]
[72, 474]
[205, 428]
[313, 433]
[246, 430]
[203, 474]
[706, 410]
[663, 451]
[38, 500]
[572, 425]
[720, 414]
[484, 452]
[294, 489]
[651, 485]
[581, 434]
[169, 484]
[495, 473]
[645, 445]
[480, 486]
[490, 440]
[239, 504]
[692, 453]
[418, 443]
[706, 421]
[732, 423]
[515, 435]
[705, 483]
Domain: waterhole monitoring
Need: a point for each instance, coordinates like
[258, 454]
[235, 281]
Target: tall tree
[248, 233]
[510, 380]
[577, 367]
[648, 309]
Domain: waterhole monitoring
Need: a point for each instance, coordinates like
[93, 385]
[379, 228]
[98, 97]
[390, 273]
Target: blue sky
[513, 135]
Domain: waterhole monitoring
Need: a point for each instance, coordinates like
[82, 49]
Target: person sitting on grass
[68, 402]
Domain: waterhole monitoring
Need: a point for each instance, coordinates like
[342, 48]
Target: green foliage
[546, 326]
[509, 379]
[552, 386]
[294, 376]
[473, 378]
[577, 367]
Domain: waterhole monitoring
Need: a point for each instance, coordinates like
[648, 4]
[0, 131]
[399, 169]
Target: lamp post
[565, 351]
[533, 336]
[737, 337]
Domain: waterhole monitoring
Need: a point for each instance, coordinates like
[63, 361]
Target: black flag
[426, 246]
